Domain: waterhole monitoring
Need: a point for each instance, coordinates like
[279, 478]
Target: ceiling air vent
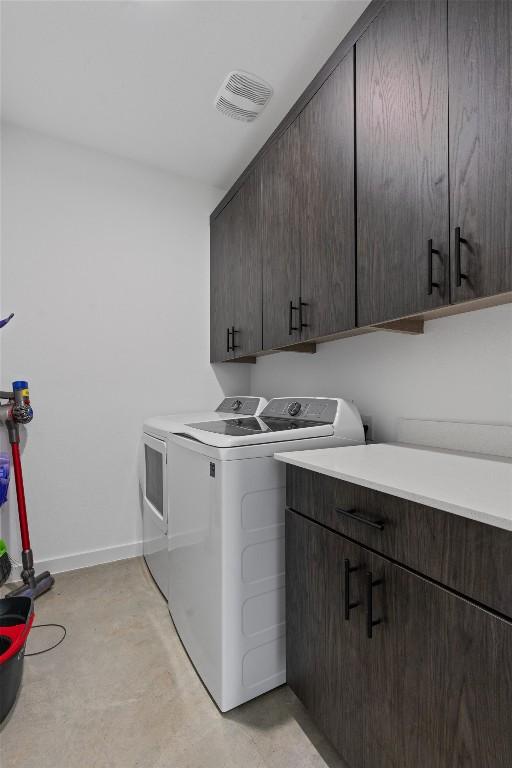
[243, 96]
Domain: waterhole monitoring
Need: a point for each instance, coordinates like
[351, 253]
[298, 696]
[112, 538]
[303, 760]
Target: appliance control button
[294, 409]
[237, 404]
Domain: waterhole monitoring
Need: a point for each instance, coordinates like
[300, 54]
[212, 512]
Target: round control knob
[237, 404]
[294, 409]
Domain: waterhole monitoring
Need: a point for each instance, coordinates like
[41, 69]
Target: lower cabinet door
[437, 676]
[323, 661]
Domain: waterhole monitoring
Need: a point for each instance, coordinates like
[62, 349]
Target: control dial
[237, 404]
[294, 409]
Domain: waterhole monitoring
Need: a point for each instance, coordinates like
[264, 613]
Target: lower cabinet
[397, 671]
[323, 664]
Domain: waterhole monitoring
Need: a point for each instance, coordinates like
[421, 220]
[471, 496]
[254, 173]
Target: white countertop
[479, 488]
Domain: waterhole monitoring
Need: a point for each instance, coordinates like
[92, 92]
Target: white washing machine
[154, 481]
[226, 538]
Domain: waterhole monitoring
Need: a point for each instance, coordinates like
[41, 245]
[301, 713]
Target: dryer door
[154, 509]
[154, 486]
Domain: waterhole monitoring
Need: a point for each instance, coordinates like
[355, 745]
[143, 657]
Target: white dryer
[226, 538]
[154, 481]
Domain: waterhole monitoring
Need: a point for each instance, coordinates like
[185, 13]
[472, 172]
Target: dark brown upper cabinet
[246, 284]
[308, 219]
[236, 276]
[223, 256]
[402, 162]
[385, 192]
[280, 240]
[480, 67]
[326, 193]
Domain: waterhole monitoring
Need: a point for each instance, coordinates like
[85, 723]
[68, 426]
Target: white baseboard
[87, 559]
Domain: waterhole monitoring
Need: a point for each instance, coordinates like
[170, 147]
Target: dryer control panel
[321, 409]
[241, 405]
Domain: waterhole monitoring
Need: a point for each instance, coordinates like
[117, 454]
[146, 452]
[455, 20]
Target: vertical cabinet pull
[302, 304]
[430, 282]
[348, 604]
[233, 345]
[370, 621]
[291, 309]
[459, 275]
[228, 346]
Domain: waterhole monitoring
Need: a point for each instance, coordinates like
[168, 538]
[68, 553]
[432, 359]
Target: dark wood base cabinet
[398, 671]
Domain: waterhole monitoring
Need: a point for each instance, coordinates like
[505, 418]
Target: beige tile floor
[121, 692]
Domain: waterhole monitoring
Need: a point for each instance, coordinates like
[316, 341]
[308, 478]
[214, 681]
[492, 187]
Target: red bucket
[16, 618]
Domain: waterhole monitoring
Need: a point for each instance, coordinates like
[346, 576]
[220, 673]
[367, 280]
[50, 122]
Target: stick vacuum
[19, 411]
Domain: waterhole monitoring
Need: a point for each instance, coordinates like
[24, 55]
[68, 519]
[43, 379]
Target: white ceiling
[138, 78]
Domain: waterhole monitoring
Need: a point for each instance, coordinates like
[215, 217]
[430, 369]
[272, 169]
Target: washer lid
[170, 424]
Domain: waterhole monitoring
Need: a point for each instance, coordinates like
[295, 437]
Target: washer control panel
[242, 406]
[321, 409]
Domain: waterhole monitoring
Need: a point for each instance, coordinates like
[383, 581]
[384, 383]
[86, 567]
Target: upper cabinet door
[223, 254]
[480, 66]
[246, 282]
[402, 162]
[280, 243]
[326, 192]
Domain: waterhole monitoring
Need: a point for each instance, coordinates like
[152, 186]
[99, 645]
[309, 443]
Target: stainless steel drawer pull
[360, 519]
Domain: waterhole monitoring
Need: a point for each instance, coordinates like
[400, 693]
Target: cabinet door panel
[326, 189]
[306, 607]
[223, 250]
[322, 647]
[247, 272]
[280, 242]
[344, 692]
[480, 66]
[438, 677]
[402, 161]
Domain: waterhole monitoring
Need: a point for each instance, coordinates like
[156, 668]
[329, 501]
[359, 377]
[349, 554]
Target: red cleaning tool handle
[20, 493]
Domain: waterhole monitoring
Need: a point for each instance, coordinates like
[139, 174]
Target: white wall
[106, 265]
[460, 369]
